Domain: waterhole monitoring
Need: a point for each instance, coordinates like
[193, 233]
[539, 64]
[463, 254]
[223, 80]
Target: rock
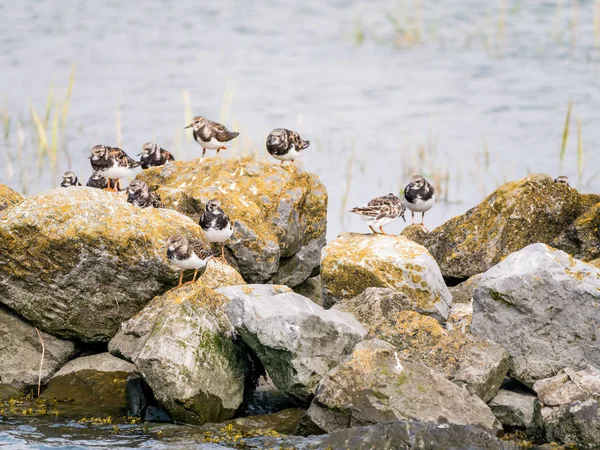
[582, 239]
[461, 315]
[92, 385]
[568, 386]
[189, 359]
[353, 262]
[21, 352]
[415, 233]
[408, 435]
[8, 197]
[142, 403]
[7, 392]
[278, 214]
[519, 213]
[576, 424]
[219, 274]
[375, 385]
[518, 410]
[312, 288]
[463, 292]
[297, 341]
[541, 305]
[77, 262]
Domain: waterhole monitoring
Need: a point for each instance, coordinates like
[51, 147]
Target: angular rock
[21, 352]
[415, 233]
[407, 435]
[8, 197]
[568, 386]
[461, 315]
[576, 424]
[463, 292]
[189, 359]
[92, 385]
[541, 305]
[278, 214]
[517, 409]
[375, 385]
[219, 274]
[77, 262]
[297, 341]
[311, 288]
[519, 213]
[582, 239]
[7, 392]
[354, 262]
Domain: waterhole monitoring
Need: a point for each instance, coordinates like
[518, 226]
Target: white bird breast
[420, 205]
[213, 144]
[378, 223]
[116, 172]
[213, 235]
[291, 155]
[193, 263]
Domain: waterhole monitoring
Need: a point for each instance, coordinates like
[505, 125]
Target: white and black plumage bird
[563, 179]
[419, 196]
[187, 254]
[97, 181]
[285, 145]
[69, 179]
[211, 135]
[153, 155]
[216, 225]
[112, 163]
[139, 194]
[381, 211]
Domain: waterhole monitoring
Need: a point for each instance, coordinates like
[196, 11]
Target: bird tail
[233, 134]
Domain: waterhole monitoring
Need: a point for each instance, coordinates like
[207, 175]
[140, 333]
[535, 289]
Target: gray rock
[297, 341]
[575, 424]
[8, 392]
[541, 305]
[405, 435]
[77, 262]
[189, 358]
[517, 409]
[461, 315]
[21, 352]
[568, 386]
[375, 385]
[463, 292]
[311, 288]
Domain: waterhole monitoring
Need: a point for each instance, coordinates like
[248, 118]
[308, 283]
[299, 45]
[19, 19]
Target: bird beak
[403, 218]
[90, 157]
[189, 126]
[139, 154]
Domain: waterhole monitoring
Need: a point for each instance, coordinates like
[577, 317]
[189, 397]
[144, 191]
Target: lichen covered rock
[519, 213]
[8, 197]
[278, 214]
[582, 238]
[77, 262]
[354, 262]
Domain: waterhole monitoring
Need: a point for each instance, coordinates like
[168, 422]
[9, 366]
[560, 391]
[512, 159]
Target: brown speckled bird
[187, 254]
[211, 135]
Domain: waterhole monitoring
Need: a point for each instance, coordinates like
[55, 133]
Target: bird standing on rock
[211, 135]
[285, 145]
[97, 181]
[381, 211]
[139, 194]
[69, 179]
[112, 163]
[563, 179]
[187, 254]
[216, 225]
[419, 196]
[152, 156]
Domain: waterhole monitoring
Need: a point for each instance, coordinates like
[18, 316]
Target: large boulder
[541, 305]
[8, 197]
[297, 341]
[21, 352]
[517, 409]
[354, 262]
[582, 238]
[189, 357]
[279, 215]
[376, 385]
[92, 386]
[576, 424]
[519, 213]
[77, 262]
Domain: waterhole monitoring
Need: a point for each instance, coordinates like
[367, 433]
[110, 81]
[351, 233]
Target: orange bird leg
[223, 251]
[203, 151]
[383, 232]
[373, 230]
[281, 164]
[195, 275]
[180, 278]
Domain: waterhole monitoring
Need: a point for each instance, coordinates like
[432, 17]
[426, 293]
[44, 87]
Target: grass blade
[48, 105]
[65, 108]
[565, 135]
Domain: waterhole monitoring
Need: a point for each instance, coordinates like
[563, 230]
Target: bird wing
[156, 200]
[123, 158]
[368, 211]
[199, 249]
[221, 133]
[168, 155]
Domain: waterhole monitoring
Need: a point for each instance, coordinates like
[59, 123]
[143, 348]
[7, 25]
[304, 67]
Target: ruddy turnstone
[562, 180]
[112, 163]
[419, 196]
[187, 254]
[216, 225]
[211, 135]
[97, 181]
[381, 211]
[139, 194]
[285, 145]
[152, 155]
[69, 179]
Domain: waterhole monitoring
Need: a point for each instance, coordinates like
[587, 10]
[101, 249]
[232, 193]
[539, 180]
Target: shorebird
[97, 181]
[285, 145]
[69, 179]
[381, 211]
[216, 225]
[139, 194]
[187, 254]
[153, 155]
[562, 180]
[419, 196]
[112, 163]
[211, 135]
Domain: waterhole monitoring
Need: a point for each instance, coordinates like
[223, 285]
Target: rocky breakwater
[279, 214]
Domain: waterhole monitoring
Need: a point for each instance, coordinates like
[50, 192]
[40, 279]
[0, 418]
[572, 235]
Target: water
[481, 100]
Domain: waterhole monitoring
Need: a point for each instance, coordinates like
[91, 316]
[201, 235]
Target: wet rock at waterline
[92, 386]
[21, 352]
[354, 262]
[77, 262]
[517, 214]
[297, 341]
[279, 214]
[542, 306]
[376, 385]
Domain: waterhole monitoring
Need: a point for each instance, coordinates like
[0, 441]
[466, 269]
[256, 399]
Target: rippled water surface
[471, 93]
